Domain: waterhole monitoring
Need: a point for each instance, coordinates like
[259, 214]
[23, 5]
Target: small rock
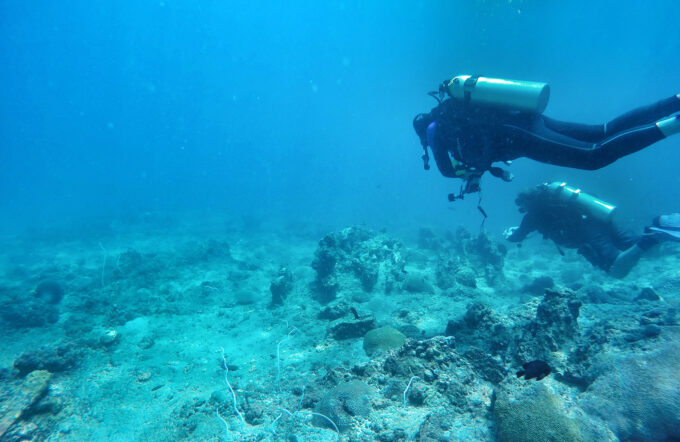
[427, 239]
[343, 404]
[429, 375]
[651, 331]
[436, 426]
[49, 291]
[539, 285]
[281, 286]
[245, 296]
[146, 343]
[352, 329]
[54, 359]
[416, 395]
[109, 338]
[48, 405]
[359, 369]
[659, 317]
[31, 390]
[396, 435]
[648, 294]
[67, 425]
[598, 295]
[416, 283]
[333, 312]
[489, 369]
[647, 332]
[20, 311]
[219, 398]
[467, 277]
[22, 431]
[253, 411]
[144, 376]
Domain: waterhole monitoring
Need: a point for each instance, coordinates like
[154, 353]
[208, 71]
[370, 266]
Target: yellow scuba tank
[521, 95]
[590, 205]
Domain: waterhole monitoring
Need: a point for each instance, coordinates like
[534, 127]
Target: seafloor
[131, 332]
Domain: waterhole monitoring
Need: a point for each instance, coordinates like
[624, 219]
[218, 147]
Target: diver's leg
[585, 132]
[625, 262]
[627, 259]
[594, 133]
[669, 126]
[643, 115]
[625, 143]
[536, 141]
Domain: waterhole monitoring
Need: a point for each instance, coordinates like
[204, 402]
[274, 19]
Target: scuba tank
[526, 96]
[590, 205]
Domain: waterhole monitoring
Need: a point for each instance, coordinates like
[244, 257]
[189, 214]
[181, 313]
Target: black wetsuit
[600, 242]
[477, 136]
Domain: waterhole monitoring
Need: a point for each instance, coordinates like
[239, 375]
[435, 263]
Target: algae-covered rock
[536, 416]
[344, 403]
[555, 326]
[638, 394]
[334, 311]
[467, 277]
[356, 259]
[281, 286]
[489, 368]
[483, 328]
[483, 250]
[416, 283]
[22, 397]
[245, 296]
[538, 285]
[647, 294]
[383, 339]
[428, 240]
[55, 359]
[436, 426]
[19, 309]
[51, 291]
[445, 273]
[668, 283]
[352, 329]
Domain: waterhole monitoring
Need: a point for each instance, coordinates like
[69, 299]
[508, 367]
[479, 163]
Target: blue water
[304, 108]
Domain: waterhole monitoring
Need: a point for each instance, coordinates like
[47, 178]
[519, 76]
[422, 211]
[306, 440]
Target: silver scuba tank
[590, 205]
[521, 95]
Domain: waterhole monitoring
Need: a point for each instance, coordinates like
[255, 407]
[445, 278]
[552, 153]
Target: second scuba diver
[574, 219]
[480, 120]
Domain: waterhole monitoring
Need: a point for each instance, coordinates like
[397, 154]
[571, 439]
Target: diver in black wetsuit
[576, 220]
[467, 137]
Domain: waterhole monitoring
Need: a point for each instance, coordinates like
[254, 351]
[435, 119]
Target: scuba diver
[576, 220]
[479, 121]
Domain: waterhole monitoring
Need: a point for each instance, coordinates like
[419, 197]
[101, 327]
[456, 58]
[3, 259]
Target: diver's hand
[509, 232]
[507, 176]
[472, 183]
[503, 174]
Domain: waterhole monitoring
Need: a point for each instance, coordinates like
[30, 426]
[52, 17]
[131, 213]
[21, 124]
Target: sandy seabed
[166, 331]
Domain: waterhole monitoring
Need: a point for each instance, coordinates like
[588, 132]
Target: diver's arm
[520, 233]
[503, 174]
[444, 163]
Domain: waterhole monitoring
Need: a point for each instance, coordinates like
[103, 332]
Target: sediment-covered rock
[638, 394]
[535, 415]
[356, 259]
[21, 397]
